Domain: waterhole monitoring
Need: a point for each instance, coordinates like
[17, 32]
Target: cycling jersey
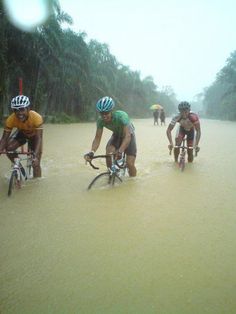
[28, 127]
[187, 123]
[119, 120]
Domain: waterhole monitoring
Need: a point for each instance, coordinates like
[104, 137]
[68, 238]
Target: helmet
[184, 105]
[105, 104]
[20, 101]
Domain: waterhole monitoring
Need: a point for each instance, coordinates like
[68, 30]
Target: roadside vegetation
[64, 74]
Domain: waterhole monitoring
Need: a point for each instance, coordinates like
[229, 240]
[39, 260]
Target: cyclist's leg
[16, 140]
[37, 172]
[190, 139]
[130, 160]
[131, 152]
[178, 140]
[112, 145]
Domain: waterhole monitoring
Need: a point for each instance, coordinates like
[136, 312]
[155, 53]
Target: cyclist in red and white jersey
[189, 125]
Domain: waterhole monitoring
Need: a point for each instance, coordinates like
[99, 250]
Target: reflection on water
[163, 242]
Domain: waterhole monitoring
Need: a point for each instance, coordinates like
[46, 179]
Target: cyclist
[123, 137]
[29, 129]
[188, 124]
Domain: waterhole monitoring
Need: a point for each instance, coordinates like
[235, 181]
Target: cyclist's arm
[198, 133]
[97, 139]
[168, 133]
[3, 141]
[38, 142]
[126, 140]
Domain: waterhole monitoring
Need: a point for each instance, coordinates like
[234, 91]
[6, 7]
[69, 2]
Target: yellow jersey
[28, 127]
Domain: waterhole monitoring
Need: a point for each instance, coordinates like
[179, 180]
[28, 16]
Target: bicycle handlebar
[16, 152]
[105, 156]
[95, 157]
[184, 147]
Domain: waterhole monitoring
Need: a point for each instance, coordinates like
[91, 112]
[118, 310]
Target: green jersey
[119, 120]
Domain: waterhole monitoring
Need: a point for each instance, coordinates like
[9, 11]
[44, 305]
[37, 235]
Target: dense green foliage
[64, 75]
[220, 98]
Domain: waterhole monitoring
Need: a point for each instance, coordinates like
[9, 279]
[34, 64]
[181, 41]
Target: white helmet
[19, 102]
[105, 104]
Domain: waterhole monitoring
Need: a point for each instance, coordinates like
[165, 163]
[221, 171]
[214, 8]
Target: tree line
[64, 75]
[219, 99]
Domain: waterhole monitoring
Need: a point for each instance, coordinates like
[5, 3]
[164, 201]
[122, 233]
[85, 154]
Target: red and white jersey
[187, 123]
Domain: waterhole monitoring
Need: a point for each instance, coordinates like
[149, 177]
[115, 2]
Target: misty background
[138, 53]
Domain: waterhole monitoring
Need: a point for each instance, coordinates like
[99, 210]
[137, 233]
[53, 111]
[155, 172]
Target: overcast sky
[180, 43]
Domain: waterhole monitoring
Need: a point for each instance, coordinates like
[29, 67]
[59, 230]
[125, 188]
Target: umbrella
[156, 106]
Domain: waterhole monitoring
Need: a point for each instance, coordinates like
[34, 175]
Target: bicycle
[18, 173]
[114, 173]
[182, 154]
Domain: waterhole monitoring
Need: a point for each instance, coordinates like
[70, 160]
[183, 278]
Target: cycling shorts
[116, 141]
[181, 132]
[22, 139]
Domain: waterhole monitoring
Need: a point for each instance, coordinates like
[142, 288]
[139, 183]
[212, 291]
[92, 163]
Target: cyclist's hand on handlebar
[118, 155]
[170, 146]
[197, 149]
[89, 156]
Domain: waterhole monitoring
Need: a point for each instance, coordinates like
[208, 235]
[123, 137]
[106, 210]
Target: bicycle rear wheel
[104, 180]
[13, 183]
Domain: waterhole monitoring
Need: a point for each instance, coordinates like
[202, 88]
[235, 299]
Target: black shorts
[22, 139]
[190, 135]
[116, 141]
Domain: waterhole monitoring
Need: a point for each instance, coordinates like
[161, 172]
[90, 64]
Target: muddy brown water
[163, 242]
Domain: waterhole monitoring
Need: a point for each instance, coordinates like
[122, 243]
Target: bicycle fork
[19, 172]
[182, 159]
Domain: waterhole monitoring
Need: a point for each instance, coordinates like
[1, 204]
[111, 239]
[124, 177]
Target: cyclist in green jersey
[123, 136]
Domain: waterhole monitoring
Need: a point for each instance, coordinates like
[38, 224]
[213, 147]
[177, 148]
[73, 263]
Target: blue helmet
[105, 104]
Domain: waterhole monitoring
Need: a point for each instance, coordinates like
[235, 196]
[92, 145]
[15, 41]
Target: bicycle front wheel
[182, 164]
[104, 180]
[13, 183]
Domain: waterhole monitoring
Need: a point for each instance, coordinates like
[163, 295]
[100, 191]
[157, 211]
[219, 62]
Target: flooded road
[163, 242]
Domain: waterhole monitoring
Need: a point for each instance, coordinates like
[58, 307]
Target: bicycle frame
[18, 173]
[182, 154]
[113, 173]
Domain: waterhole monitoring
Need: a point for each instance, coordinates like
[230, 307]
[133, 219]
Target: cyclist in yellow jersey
[29, 129]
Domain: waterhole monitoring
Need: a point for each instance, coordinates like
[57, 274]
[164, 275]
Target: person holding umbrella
[156, 116]
[163, 117]
[156, 109]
